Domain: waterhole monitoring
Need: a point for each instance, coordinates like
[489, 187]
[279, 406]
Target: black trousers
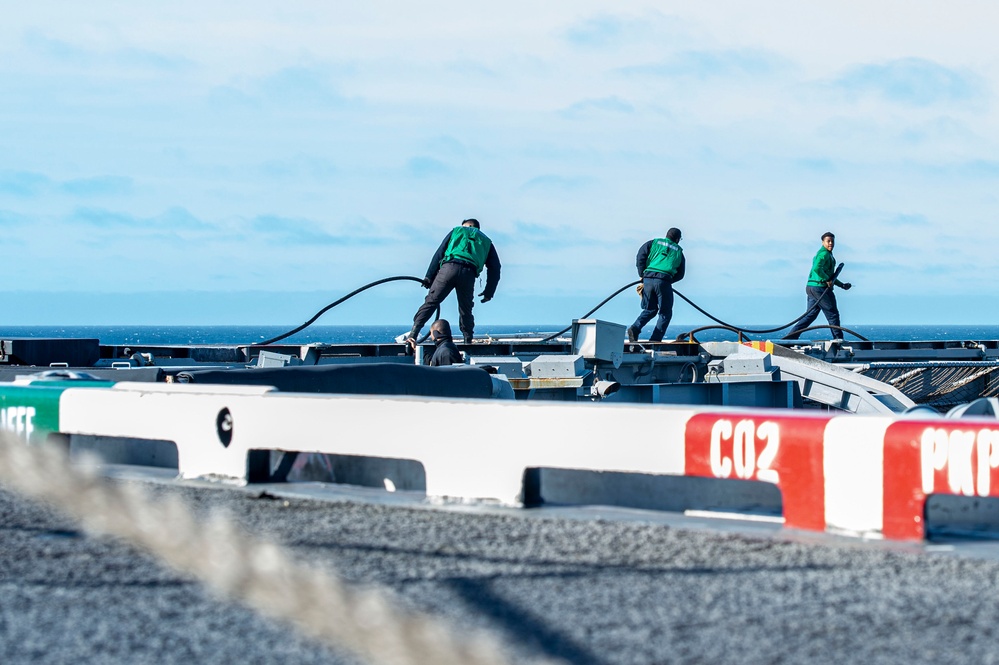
[452, 276]
[657, 298]
[827, 305]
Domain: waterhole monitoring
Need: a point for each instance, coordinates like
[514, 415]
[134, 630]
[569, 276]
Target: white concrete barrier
[855, 474]
[468, 448]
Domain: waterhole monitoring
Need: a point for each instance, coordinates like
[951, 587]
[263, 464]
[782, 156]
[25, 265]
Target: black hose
[690, 333]
[769, 330]
[602, 303]
[334, 304]
[749, 330]
[713, 318]
[553, 335]
[852, 332]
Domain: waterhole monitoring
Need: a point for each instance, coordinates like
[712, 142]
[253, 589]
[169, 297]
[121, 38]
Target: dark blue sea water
[154, 335]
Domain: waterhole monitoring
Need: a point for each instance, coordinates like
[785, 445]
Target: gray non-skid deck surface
[586, 591]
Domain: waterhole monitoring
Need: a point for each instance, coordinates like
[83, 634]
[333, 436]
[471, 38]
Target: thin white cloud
[9, 218]
[175, 219]
[24, 184]
[83, 56]
[558, 182]
[606, 31]
[447, 145]
[291, 232]
[713, 64]
[98, 186]
[423, 166]
[300, 84]
[30, 185]
[909, 220]
[832, 214]
[538, 234]
[605, 105]
[53, 48]
[911, 81]
[299, 167]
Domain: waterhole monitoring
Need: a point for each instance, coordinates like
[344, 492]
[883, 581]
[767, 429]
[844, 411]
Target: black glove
[426, 282]
[847, 286]
[485, 298]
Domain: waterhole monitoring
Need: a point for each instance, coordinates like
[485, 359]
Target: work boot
[632, 335]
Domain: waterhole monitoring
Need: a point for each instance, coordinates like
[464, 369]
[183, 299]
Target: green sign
[32, 410]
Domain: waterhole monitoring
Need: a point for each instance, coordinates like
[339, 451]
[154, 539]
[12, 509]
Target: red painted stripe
[786, 451]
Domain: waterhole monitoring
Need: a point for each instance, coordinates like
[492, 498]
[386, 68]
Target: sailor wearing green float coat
[462, 255]
[660, 262]
[819, 289]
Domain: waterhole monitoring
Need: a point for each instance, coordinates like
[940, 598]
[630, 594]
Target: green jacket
[823, 267]
[468, 244]
[661, 255]
[451, 247]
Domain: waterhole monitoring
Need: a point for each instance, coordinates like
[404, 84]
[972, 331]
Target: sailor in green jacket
[462, 255]
[820, 289]
[660, 262]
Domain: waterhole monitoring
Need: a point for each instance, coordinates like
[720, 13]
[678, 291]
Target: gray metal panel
[598, 340]
[272, 359]
[557, 367]
[772, 375]
[509, 366]
[747, 361]
[759, 394]
[838, 387]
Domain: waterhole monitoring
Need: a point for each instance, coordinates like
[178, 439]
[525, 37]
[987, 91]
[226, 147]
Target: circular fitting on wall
[223, 427]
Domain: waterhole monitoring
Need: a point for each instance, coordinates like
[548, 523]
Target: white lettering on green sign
[18, 419]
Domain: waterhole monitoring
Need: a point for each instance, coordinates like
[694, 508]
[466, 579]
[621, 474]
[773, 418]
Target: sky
[248, 163]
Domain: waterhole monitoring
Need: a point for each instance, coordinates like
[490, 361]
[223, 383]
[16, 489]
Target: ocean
[359, 334]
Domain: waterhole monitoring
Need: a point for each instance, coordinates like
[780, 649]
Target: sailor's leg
[805, 321]
[831, 310]
[439, 290]
[650, 304]
[665, 311]
[464, 286]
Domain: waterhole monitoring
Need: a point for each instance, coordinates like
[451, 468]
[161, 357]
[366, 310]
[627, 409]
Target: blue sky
[180, 163]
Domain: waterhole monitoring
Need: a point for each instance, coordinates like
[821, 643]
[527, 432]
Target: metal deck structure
[593, 362]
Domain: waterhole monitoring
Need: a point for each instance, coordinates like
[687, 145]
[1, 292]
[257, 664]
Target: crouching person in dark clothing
[445, 352]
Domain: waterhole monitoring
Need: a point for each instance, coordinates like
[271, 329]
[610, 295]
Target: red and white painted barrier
[763, 446]
[856, 474]
[959, 457]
